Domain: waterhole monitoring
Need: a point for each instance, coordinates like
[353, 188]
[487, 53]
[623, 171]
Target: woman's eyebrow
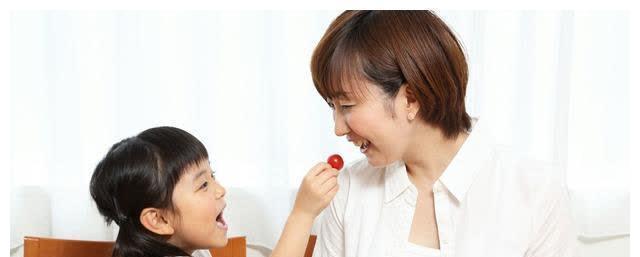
[341, 95]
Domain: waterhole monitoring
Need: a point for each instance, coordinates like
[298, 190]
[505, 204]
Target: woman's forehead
[353, 90]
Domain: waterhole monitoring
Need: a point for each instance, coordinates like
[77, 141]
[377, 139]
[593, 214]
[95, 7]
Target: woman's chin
[376, 163]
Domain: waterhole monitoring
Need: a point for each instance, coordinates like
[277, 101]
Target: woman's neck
[429, 154]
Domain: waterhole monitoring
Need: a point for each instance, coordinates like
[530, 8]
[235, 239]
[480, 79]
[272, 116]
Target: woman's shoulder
[360, 179]
[360, 171]
[527, 173]
[520, 163]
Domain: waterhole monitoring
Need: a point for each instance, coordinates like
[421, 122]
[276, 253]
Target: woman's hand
[317, 189]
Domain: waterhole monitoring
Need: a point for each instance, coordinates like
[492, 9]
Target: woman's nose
[340, 125]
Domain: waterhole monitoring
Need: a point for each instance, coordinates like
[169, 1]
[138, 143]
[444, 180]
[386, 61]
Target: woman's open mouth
[364, 146]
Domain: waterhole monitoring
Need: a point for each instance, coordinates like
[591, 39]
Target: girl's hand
[317, 189]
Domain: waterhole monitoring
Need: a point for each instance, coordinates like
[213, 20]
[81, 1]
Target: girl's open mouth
[220, 222]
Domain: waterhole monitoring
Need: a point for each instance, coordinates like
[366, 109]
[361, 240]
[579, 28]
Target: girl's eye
[331, 105]
[347, 106]
[213, 175]
[204, 185]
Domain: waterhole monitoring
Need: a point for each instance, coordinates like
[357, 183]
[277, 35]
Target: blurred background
[554, 84]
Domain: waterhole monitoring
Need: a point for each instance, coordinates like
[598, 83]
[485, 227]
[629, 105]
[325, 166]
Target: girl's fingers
[328, 185]
[325, 175]
[318, 168]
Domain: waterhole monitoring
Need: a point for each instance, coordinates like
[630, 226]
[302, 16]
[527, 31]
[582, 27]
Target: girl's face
[374, 122]
[199, 200]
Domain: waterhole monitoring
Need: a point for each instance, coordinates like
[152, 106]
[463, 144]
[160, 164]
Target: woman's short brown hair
[393, 48]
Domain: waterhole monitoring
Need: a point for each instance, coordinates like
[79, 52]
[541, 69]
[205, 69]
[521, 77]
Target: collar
[458, 176]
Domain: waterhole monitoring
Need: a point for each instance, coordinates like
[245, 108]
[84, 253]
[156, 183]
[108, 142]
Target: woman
[433, 182]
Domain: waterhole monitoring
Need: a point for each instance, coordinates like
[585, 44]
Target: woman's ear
[156, 221]
[411, 105]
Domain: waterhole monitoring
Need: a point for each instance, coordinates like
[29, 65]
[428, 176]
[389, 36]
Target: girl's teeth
[221, 223]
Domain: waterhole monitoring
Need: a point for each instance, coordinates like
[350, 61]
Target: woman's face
[374, 122]
[199, 200]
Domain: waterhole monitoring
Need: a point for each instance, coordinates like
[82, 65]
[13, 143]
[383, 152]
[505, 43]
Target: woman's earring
[411, 116]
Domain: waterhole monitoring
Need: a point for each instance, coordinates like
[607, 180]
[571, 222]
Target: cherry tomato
[335, 161]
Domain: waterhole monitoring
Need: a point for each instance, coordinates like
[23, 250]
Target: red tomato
[335, 161]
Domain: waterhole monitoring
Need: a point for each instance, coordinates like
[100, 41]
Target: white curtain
[554, 84]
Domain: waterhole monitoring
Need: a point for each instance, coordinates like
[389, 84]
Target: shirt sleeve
[331, 239]
[554, 231]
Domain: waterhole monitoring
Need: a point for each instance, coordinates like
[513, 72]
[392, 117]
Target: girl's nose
[220, 191]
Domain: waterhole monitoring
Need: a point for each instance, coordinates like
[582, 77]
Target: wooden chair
[310, 245]
[236, 247]
[53, 247]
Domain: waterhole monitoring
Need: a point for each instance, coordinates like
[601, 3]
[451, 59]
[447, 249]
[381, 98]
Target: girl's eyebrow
[199, 174]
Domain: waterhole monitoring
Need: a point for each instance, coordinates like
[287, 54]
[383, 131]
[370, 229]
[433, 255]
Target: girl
[160, 189]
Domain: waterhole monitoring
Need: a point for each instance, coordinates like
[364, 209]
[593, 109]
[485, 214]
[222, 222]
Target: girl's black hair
[141, 172]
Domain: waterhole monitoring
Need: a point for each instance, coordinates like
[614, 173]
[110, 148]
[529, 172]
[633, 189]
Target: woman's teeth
[364, 146]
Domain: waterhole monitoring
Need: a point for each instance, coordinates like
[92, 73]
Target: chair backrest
[236, 247]
[54, 247]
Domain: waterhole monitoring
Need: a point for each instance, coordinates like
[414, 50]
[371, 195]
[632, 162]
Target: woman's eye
[213, 175]
[204, 185]
[346, 106]
[331, 105]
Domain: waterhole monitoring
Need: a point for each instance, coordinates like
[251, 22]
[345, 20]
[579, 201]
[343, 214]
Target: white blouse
[488, 202]
[414, 250]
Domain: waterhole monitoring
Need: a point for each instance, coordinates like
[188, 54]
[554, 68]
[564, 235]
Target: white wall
[554, 84]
